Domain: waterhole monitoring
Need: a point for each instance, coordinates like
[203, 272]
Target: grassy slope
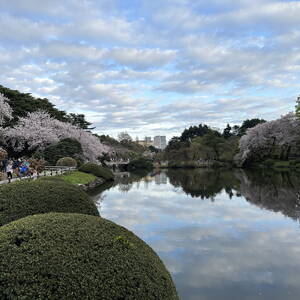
[78, 177]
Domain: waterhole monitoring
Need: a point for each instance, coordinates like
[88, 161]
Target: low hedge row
[97, 170]
[25, 198]
[75, 256]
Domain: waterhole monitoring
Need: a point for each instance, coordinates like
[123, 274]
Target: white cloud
[148, 58]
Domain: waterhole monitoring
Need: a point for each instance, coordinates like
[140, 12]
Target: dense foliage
[67, 162]
[194, 131]
[21, 199]
[64, 148]
[140, 163]
[74, 256]
[97, 170]
[202, 143]
[210, 146]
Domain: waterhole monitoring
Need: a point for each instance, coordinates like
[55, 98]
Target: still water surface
[222, 234]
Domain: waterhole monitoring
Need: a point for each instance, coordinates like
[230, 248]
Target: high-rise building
[146, 142]
[160, 142]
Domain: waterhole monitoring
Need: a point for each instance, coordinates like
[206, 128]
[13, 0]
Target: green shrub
[75, 256]
[51, 178]
[140, 163]
[64, 148]
[97, 170]
[67, 162]
[25, 198]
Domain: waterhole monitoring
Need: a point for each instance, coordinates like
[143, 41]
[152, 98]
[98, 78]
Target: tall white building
[160, 142]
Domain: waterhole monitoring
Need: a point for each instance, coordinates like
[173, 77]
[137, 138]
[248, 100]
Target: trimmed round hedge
[74, 256]
[97, 170]
[67, 162]
[25, 198]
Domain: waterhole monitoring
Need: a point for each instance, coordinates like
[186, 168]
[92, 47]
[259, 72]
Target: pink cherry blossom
[5, 109]
[39, 130]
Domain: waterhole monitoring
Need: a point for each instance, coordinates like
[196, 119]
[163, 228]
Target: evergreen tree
[227, 132]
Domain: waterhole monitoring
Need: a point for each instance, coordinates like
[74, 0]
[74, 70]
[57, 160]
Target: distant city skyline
[159, 141]
[154, 67]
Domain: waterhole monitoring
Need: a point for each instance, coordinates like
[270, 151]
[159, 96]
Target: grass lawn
[78, 177]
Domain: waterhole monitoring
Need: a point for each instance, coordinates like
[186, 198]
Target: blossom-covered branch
[5, 109]
[260, 140]
[38, 130]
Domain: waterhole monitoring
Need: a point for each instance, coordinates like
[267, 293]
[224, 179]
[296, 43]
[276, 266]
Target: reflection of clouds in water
[228, 249]
[212, 256]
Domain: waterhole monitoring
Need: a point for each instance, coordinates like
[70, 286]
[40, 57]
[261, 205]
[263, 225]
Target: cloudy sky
[154, 67]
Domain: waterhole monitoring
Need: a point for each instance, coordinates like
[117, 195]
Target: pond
[222, 234]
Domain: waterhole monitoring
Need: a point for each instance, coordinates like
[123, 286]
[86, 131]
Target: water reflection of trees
[276, 191]
[203, 183]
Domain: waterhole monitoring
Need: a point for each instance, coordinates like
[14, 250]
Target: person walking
[15, 166]
[9, 171]
[4, 164]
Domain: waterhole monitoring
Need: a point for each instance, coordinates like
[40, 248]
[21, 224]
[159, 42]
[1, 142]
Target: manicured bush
[140, 163]
[67, 162]
[97, 170]
[25, 198]
[51, 178]
[75, 256]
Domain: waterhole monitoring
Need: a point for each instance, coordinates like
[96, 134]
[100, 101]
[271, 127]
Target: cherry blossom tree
[259, 141]
[38, 130]
[5, 109]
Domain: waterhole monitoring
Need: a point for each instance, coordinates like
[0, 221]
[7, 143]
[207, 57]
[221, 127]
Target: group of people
[18, 167]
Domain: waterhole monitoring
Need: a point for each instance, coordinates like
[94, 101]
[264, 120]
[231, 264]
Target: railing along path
[48, 171]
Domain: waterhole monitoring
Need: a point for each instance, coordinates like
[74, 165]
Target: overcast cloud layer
[154, 67]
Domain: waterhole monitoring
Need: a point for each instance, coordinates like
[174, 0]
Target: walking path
[49, 171]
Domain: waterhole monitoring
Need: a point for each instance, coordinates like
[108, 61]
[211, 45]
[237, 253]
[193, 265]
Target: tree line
[204, 142]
